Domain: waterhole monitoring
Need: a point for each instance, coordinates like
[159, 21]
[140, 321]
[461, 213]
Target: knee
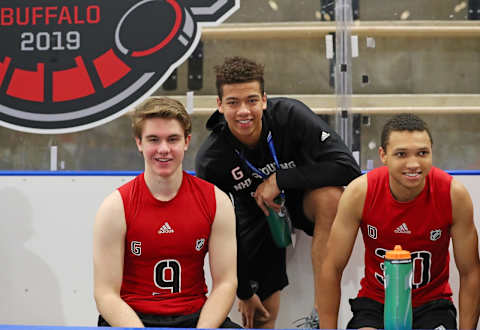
[322, 203]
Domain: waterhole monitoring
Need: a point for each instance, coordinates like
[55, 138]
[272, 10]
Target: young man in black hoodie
[259, 150]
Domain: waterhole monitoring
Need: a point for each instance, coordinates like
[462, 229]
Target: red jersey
[421, 226]
[165, 247]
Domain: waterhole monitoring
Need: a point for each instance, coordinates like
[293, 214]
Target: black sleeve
[323, 158]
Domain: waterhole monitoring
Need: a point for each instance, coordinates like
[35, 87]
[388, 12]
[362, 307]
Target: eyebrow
[406, 149]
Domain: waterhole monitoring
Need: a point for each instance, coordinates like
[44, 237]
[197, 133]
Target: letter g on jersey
[70, 65]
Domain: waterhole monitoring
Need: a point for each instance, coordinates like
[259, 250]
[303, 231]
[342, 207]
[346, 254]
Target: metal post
[343, 70]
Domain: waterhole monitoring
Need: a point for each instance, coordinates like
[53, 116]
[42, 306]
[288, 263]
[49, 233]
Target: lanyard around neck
[271, 147]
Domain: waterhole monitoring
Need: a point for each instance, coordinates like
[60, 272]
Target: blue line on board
[134, 173]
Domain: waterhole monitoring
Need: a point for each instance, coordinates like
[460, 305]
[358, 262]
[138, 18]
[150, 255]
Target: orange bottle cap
[398, 254]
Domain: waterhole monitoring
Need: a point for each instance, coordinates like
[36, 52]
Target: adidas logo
[324, 136]
[166, 229]
[402, 229]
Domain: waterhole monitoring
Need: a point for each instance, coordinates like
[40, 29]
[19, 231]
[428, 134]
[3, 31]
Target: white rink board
[46, 247]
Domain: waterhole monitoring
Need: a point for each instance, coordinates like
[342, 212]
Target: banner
[69, 65]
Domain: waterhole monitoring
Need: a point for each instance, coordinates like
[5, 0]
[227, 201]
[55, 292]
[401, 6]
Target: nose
[163, 147]
[244, 110]
[412, 162]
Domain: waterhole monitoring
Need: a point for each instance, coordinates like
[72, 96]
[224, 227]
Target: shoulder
[213, 152]
[459, 194]
[221, 197]
[352, 201]
[113, 201]
[111, 211]
[357, 189]
[285, 105]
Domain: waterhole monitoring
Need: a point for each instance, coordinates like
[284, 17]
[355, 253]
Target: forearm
[327, 299]
[217, 306]
[469, 300]
[117, 312]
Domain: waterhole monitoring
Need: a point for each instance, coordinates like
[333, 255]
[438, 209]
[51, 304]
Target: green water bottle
[398, 290]
[280, 224]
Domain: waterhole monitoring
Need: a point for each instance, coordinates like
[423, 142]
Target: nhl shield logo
[67, 65]
[435, 234]
[199, 244]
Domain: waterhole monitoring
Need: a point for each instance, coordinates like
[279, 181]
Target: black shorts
[178, 321]
[369, 313]
[294, 203]
[267, 270]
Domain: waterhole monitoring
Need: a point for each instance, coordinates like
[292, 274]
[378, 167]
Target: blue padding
[134, 173]
[74, 173]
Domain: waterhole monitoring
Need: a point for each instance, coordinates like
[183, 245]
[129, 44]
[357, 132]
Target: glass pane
[413, 55]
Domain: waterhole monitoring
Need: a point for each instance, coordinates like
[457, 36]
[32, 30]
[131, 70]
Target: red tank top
[421, 226]
[165, 247]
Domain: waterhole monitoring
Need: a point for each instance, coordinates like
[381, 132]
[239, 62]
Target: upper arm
[222, 247]
[347, 221]
[109, 245]
[463, 231]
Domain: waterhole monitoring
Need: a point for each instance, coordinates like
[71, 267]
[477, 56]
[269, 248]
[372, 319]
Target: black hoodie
[310, 153]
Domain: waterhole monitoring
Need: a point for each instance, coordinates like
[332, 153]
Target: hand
[253, 309]
[266, 193]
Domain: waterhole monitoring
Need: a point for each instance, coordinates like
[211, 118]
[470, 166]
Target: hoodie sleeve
[324, 159]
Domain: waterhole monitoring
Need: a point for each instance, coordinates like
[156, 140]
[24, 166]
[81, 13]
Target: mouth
[412, 175]
[162, 160]
[244, 121]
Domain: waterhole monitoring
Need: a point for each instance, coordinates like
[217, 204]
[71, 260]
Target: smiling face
[408, 156]
[163, 145]
[242, 104]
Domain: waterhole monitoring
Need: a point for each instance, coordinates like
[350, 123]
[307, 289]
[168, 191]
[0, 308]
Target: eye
[253, 101]
[423, 153]
[400, 154]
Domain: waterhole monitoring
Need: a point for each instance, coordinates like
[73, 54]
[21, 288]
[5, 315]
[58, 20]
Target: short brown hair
[160, 107]
[236, 70]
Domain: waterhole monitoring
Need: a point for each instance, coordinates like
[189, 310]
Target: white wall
[46, 247]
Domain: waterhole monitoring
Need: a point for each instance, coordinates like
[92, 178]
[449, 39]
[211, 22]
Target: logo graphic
[435, 234]
[67, 65]
[166, 229]
[402, 229]
[372, 231]
[199, 244]
[324, 136]
[136, 248]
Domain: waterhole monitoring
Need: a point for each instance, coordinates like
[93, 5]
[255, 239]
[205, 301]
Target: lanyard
[271, 147]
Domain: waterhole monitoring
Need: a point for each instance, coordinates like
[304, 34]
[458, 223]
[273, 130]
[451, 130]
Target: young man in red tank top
[152, 234]
[411, 203]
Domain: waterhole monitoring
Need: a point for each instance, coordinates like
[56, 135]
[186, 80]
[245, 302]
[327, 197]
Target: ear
[219, 105]
[264, 100]
[187, 142]
[138, 141]
[383, 155]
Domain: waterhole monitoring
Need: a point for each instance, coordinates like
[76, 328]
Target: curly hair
[403, 122]
[160, 107]
[236, 70]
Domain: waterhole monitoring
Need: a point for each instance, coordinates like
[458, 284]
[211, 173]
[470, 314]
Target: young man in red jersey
[411, 203]
[152, 234]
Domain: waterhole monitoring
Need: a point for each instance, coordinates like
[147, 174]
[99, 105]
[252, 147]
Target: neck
[403, 194]
[164, 188]
[250, 141]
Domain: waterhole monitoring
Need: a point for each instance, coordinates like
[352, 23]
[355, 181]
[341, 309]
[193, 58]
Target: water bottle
[280, 224]
[398, 290]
